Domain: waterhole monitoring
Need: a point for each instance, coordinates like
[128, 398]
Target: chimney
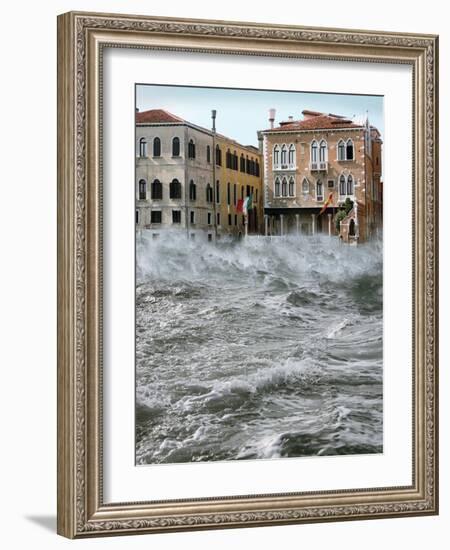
[213, 116]
[290, 118]
[137, 109]
[272, 113]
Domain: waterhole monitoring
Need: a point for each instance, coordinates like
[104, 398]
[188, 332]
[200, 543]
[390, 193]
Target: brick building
[312, 165]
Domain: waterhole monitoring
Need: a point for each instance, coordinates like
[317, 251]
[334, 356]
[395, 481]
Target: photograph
[259, 274]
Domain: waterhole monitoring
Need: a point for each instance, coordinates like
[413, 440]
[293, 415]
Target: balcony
[318, 166]
[291, 166]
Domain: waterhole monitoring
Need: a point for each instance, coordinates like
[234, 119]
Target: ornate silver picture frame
[82, 41]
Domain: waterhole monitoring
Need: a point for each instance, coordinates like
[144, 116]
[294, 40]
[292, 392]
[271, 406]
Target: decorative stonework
[83, 23]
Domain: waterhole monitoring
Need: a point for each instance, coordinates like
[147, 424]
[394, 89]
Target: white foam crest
[289, 372]
[173, 257]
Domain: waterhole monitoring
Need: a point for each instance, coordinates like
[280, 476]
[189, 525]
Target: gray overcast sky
[240, 113]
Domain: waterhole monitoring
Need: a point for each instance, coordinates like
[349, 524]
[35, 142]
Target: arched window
[142, 190]
[247, 165]
[323, 149]
[351, 228]
[276, 155]
[228, 159]
[314, 151]
[192, 191]
[191, 149]
[143, 147]
[284, 187]
[350, 185]
[218, 156]
[175, 189]
[176, 147]
[257, 169]
[291, 187]
[242, 164]
[291, 157]
[208, 153]
[277, 187]
[209, 193]
[341, 150]
[284, 154]
[157, 191]
[342, 185]
[228, 193]
[319, 190]
[305, 186]
[156, 147]
[349, 150]
[235, 161]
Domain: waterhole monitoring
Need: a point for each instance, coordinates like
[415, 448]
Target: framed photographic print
[247, 288]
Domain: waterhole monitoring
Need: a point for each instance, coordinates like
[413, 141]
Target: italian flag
[248, 205]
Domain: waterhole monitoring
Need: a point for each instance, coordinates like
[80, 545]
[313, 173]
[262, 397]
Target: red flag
[239, 206]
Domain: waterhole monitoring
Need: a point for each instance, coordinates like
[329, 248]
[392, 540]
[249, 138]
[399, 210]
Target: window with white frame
[323, 151]
[314, 149]
[342, 185]
[284, 154]
[319, 190]
[345, 150]
[349, 150]
[341, 149]
[291, 187]
[284, 189]
[349, 184]
[277, 187]
[346, 185]
[276, 157]
[143, 147]
[291, 155]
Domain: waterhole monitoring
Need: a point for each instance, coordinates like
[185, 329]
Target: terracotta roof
[157, 115]
[160, 116]
[318, 121]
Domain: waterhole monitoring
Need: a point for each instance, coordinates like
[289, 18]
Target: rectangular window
[218, 218]
[156, 216]
[176, 216]
[209, 218]
[229, 219]
[330, 184]
[235, 219]
[192, 216]
[209, 237]
[137, 216]
[217, 191]
[235, 194]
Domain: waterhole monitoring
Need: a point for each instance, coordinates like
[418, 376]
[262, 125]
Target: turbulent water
[263, 348]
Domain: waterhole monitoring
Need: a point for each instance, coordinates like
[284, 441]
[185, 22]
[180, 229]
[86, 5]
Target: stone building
[312, 165]
[188, 178]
